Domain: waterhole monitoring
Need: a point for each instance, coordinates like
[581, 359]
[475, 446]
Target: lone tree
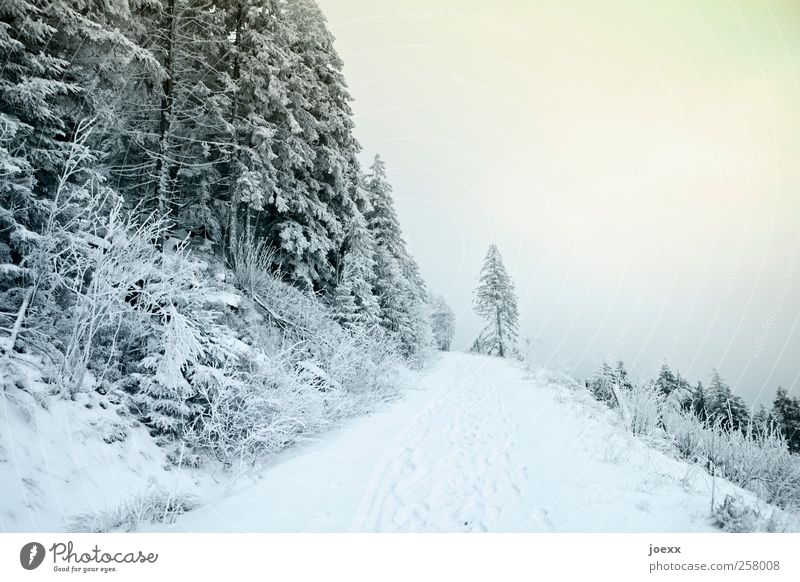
[443, 322]
[496, 301]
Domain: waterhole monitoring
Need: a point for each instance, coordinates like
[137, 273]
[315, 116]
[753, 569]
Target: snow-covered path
[479, 445]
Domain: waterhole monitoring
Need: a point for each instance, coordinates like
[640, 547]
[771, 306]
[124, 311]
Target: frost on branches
[496, 302]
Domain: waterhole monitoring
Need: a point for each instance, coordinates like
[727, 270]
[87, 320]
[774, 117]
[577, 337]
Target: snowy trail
[451, 466]
[478, 446]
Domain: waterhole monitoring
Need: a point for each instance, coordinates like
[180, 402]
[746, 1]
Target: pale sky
[635, 161]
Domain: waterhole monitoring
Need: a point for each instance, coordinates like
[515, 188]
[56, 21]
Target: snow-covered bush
[155, 505]
[277, 399]
[251, 415]
[275, 390]
[118, 257]
[686, 432]
[642, 406]
[735, 515]
[758, 461]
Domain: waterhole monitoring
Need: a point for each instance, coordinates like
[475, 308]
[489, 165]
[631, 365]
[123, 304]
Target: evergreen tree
[34, 127]
[310, 223]
[603, 383]
[621, 376]
[167, 138]
[398, 284]
[443, 322]
[697, 402]
[666, 381]
[496, 302]
[683, 390]
[353, 299]
[786, 414]
[725, 407]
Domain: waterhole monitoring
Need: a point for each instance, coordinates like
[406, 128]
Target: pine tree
[698, 402]
[725, 407]
[34, 125]
[786, 414]
[683, 390]
[621, 376]
[666, 381]
[399, 286]
[318, 193]
[268, 154]
[353, 300]
[496, 302]
[603, 383]
[442, 322]
[172, 140]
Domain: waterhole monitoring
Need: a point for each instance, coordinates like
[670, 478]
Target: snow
[72, 457]
[224, 299]
[478, 445]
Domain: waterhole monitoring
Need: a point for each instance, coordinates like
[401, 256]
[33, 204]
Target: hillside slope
[479, 445]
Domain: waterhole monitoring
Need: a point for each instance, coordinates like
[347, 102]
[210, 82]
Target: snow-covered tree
[400, 289]
[443, 322]
[496, 302]
[621, 376]
[786, 414]
[696, 401]
[666, 381]
[725, 407]
[353, 300]
[603, 385]
[229, 118]
[34, 127]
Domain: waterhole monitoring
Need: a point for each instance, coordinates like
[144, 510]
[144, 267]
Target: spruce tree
[621, 376]
[786, 414]
[496, 302]
[666, 381]
[34, 125]
[399, 286]
[602, 384]
[312, 222]
[442, 322]
[698, 402]
[353, 300]
[725, 407]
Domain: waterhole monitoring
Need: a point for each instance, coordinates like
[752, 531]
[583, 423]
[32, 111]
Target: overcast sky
[637, 163]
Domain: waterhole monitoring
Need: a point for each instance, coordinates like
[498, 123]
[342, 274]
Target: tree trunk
[500, 333]
[233, 224]
[165, 118]
[15, 331]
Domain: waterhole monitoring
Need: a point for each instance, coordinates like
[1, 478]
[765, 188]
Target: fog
[635, 162]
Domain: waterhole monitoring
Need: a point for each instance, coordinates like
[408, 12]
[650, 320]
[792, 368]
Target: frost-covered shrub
[119, 257]
[151, 506]
[249, 416]
[736, 516]
[276, 400]
[270, 391]
[758, 461]
[686, 432]
[642, 407]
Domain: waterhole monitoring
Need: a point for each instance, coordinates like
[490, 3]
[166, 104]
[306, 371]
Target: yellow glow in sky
[635, 161]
